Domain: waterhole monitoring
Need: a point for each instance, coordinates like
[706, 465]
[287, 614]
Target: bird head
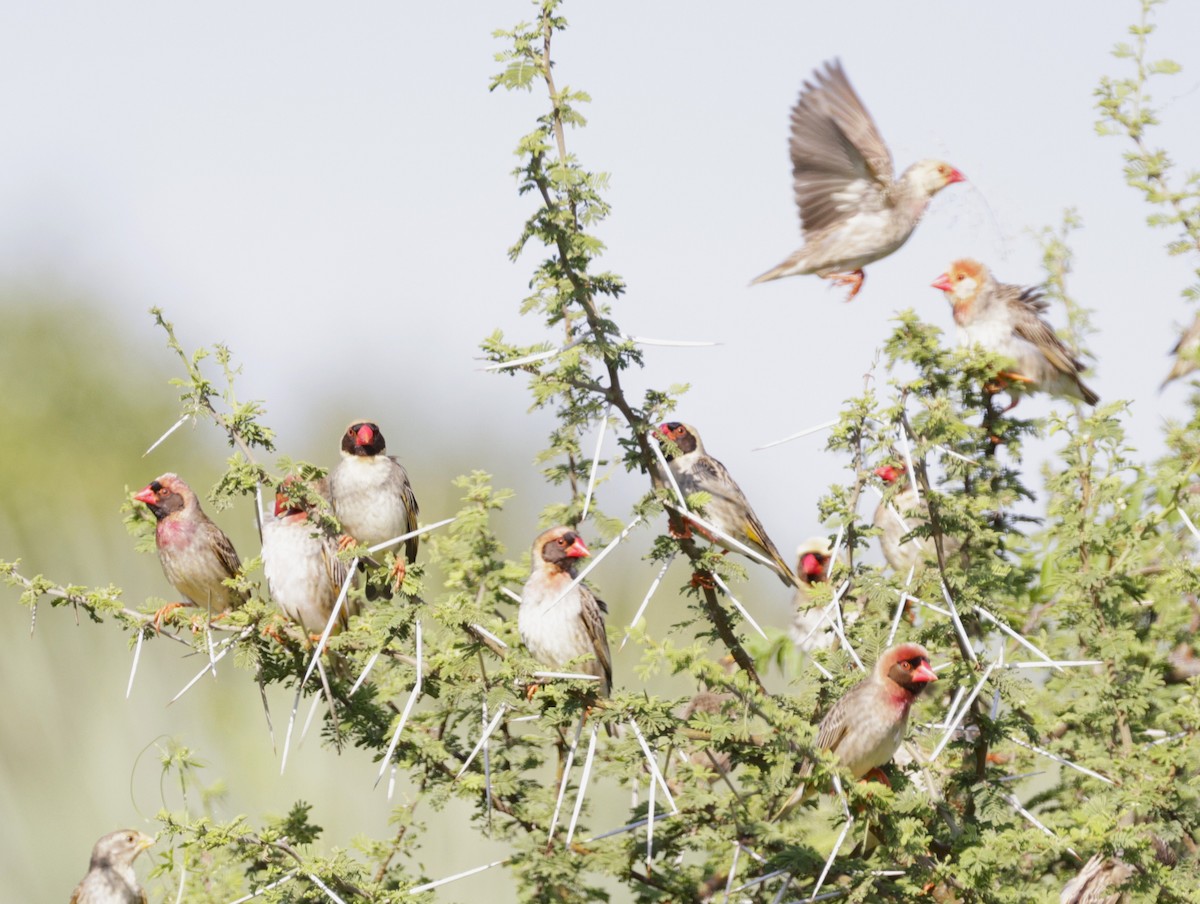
[120, 848]
[287, 500]
[166, 495]
[888, 474]
[558, 548]
[812, 559]
[678, 439]
[906, 665]
[363, 438]
[962, 283]
[930, 176]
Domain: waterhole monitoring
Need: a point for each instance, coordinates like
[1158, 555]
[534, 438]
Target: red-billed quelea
[563, 632]
[371, 494]
[1185, 352]
[301, 565]
[853, 210]
[866, 726]
[1007, 319]
[696, 471]
[812, 628]
[905, 513]
[110, 878]
[195, 554]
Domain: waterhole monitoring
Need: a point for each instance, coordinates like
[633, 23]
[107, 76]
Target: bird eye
[562, 541]
[129, 838]
[907, 666]
[163, 491]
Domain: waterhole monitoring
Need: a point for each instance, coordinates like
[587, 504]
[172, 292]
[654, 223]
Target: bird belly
[555, 634]
[871, 745]
[861, 240]
[296, 574]
[367, 504]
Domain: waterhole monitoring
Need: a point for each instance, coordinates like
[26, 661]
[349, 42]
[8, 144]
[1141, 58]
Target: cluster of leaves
[1101, 571]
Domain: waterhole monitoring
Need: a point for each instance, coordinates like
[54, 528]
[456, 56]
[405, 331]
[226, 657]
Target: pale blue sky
[327, 190]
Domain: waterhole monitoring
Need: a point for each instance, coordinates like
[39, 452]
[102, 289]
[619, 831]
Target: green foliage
[1098, 569]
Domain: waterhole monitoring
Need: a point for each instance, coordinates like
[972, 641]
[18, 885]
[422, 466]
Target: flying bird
[853, 210]
[866, 726]
[1007, 319]
[696, 471]
[563, 631]
[1185, 353]
[196, 555]
[301, 565]
[371, 493]
[110, 878]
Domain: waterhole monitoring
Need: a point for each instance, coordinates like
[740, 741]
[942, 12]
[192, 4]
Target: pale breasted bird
[563, 632]
[110, 878]
[866, 726]
[853, 210]
[1007, 319]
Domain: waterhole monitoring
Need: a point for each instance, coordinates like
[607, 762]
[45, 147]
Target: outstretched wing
[839, 159]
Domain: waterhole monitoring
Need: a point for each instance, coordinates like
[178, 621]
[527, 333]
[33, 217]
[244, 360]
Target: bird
[695, 471]
[812, 568]
[557, 630]
[196, 555]
[1185, 352]
[1098, 882]
[110, 878]
[897, 518]
[853, 210]
[865, 727]
[371, 494]
[301, 565]
[1007, 319]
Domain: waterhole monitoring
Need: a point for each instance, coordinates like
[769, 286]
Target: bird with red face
[695, 471]
[196, 555]
[811, 628]
[898, 517]
[866, 726]
[853, 209]
[301, 565]
[110, 878]
[563, 631]
[371, 493]
[1007, 319]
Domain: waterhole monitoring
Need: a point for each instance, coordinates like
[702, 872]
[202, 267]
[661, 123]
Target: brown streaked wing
[592, 611]
[1027, 306]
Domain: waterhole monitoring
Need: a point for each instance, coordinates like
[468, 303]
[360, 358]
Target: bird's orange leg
[530, 690]
[854, 280]
[703, 580]
[399, 570]
[876, 775]
[162, 614]
[345, 541]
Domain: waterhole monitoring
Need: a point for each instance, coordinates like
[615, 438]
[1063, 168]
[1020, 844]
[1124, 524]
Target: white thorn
[1063, 760]
[325, 888]
[725, 538]
[137, 654]
[787, 439]
[652, 437]
[266, 888]
[629, 827]
[740, 608]
[958, 625]
[562, 787]
[832, 854]
[491, 726]
[900, 606]
[596, 561]
[583, 781]
[158, 442]
[512, 595]
[1188, 522]
[650, 824]
[430, 886]
[962, 712]
[362, 676]
[575, 676]
[489, 635]
[226, 646]
[412, 533]
[654, 770]
[1054, 663]
[1015, 636]
[287, 738]
[408, 707]
[646, 602]
[591, 485]
[737, 849]
[908, 464]
[673, 343]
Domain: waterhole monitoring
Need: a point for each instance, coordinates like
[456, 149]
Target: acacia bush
[1018, 769]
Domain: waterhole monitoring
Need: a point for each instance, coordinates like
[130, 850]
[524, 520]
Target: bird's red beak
[577, 550]
[886, 473]
[943, 283]
[955, 176]
[812, 566]
[924, 673]
[365, 435]
[145, 495]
